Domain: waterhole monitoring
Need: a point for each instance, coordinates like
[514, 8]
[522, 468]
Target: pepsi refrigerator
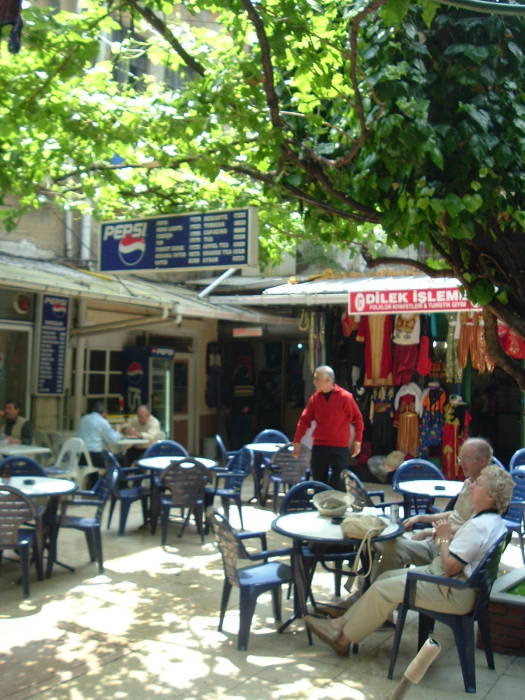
[148, 379]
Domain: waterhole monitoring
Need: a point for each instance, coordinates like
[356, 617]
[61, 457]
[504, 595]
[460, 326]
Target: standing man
[96, 431]
[334, 410]
[17, 429]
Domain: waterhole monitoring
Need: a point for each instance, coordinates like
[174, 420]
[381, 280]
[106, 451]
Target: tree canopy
[334, 118]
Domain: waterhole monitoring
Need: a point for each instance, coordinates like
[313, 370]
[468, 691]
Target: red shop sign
[393, 301]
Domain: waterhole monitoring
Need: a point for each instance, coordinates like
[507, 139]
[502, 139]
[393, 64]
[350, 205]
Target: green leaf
[472, 202]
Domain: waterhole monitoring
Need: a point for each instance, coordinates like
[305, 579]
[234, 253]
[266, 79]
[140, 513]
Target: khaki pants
[403, 551]
[383, 597]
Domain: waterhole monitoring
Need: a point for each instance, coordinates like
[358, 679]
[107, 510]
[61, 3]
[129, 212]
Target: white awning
[336, 291]
[48, 277]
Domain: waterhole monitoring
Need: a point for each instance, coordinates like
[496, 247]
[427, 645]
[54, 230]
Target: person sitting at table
[96, 431]
[458, 555]
[16, 428]
[421, 548]
[145, 426]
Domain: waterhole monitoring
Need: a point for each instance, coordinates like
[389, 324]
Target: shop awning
[368, 294]
[49, 277]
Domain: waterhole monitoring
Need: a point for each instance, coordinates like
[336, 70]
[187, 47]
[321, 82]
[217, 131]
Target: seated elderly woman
[458, 556]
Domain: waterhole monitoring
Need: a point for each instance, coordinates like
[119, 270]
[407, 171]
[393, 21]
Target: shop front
[412, 351]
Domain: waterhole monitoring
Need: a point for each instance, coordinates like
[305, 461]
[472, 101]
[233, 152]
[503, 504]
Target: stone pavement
[147, 629]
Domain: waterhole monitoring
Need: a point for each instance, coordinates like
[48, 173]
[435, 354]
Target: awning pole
[227, 273]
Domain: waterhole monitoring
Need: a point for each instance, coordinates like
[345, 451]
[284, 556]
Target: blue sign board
[53, 344]
[201, 240]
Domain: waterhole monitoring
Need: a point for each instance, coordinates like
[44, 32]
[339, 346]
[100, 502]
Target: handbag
[358, 526]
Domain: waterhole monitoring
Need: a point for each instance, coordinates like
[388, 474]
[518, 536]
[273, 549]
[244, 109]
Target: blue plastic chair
[411, 470]
[462, 626]
[271, 435]
[363, 498]
[252, 580]
[497, 461]
[517, 459]
[127, 490]
[182, 486]
[22, 466]
[166, 448]
[223, 454]
[286, 471]
[228, 484]
[90, 526]
[514, 518]
[16, 510]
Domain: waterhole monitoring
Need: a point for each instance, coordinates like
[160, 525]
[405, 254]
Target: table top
[160, 463]
[431, 487]
[312, 527]
[8, 449]
[42, 485]
[132, 442]
[268, 447]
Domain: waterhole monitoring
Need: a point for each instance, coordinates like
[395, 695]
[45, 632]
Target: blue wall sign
[201, 240]
[53, 344]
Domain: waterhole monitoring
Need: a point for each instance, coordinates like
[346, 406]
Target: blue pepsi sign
[201, 240]
[53, 344]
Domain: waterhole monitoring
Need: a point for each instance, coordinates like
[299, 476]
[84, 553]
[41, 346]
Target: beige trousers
[403, 551]
[383, 597]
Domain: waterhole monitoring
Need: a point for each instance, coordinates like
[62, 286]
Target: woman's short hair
[499, 485]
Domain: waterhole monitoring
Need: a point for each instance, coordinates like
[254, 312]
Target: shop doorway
[15, 365]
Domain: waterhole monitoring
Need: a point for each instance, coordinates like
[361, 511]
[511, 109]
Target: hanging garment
[405, 336]
[376, 332]
[353, 348]
[424, 361]
[481, 361]
[455, 432]
[433, 401]
[407, 405]
[472, 342]
[454, 373]
[11, 13]
[512, 344]
[383, 434]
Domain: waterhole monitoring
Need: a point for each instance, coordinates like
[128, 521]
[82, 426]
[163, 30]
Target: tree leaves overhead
[330, 116]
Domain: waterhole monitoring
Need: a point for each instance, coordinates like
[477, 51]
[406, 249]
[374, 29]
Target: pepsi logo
[131, 249]
[135, 373]
[58, 307]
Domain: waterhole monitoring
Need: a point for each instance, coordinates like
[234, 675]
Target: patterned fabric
[434, 400]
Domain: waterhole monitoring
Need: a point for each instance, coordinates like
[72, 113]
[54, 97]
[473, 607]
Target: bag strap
[365, 544]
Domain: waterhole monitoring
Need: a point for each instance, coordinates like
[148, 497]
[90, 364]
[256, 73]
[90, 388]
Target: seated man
[96, 431]
[458, 556]
[142, 425]
[16, 428]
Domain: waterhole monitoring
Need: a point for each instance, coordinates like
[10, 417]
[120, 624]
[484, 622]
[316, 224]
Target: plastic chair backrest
[415, 469]
[104, 487]
[186, 481]
[299, 497]
[240, 465]
[486, 572]
[221, 448]
[71, 452]
[15, 510]
[291, 469]
[22, 466]
[495, 460]
[517, 459]
[354, 486]
[229, 545]
[271, 435]
[515, 513]
[166, 448]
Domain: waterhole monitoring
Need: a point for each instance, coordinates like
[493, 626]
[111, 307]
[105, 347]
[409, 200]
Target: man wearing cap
[334, 410]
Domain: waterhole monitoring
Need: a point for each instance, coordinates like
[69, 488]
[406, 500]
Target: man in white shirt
[145, 426]
[96, 431]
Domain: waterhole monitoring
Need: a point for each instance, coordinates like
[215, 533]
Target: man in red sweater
[333, 409]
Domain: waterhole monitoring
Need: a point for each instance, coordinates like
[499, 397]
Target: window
[103, 377]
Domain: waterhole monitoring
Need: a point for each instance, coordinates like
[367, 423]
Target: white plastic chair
[69, 459]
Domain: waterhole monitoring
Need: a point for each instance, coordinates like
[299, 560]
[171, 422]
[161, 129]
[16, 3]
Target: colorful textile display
[376, 333]
[433, 402]
[455, 432]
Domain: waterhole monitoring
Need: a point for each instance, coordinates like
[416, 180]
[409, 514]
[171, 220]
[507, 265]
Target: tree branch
[431, 272]
[160, 26]
[494, 349]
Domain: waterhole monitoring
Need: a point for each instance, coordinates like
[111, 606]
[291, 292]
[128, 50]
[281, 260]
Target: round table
[160, 463]
[265, 447]
[35, 486]
[9, 449]
[436, 488]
